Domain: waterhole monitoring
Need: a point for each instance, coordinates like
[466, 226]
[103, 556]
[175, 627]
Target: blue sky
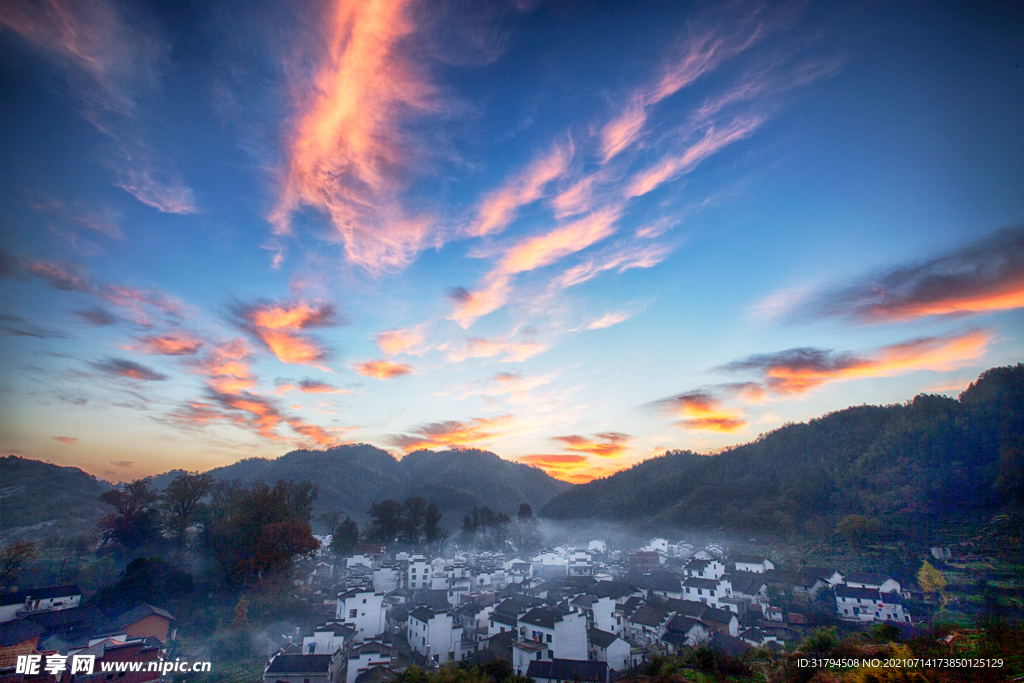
[574, 233]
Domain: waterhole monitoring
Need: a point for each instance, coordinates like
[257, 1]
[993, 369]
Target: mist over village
[511, 341]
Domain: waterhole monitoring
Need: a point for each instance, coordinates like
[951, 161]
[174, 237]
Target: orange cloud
[982, 277]
[798, 370]
[469, 306]
[170, 344]
[699, 55]
[606, 445]
[58, 275]
[128, 370]
[514, 351]
[69, 440]
[618, 260]
[451, 433]
[279, 327]
[543, 250]
[382, 369]
[529, 254]
[498, 209]
[701, 411]
[575, 469]
[392, 342]
[349, 148]
[671, 167]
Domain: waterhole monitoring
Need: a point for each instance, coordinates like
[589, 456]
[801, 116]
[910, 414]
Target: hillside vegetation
[904, 468]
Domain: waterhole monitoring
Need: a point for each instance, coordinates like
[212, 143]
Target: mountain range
[900, 469]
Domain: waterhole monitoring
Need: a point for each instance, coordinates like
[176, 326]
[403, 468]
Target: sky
[577, 234]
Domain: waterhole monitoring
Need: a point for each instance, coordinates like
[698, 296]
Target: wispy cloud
[171, 344]
[606, 444]
[409, 340]
[96, 316]
[382, 369]
[108, 61]
[451, 434]
[123, 464]
[281, 328]
[69, 440]
[982, 277]
[671, 167]
[348, 147]
[498, 209]
[62, 276]
[81, 215]
[796, 371]
[128, 369]
[607, 320]
[529, 254]
[701, 411]
[512, 351]
[310, 386]
[619, 260]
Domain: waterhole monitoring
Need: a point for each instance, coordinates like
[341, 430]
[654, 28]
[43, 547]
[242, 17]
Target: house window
[549, 637]
[364, 601]
[551, 654]
[352, 613]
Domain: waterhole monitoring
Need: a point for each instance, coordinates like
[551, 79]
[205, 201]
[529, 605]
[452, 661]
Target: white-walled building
[434, 634]
[608, 647]
[869, 605]
[753, 563]
[418, 573]
[363, 610]
[564, 635]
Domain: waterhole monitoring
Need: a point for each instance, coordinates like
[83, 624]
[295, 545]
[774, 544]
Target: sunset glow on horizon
[577, 234]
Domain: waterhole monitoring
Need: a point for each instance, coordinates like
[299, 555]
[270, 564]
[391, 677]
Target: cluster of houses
[53, 627]
[564, 614]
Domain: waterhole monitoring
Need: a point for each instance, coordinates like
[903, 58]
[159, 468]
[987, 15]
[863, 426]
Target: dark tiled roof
[18, 631]
[681, 624]
[73, 616]
[300, 664]
[601, 638]
[53, 592]
[697, 565]
[844, 591]
[747, 583]
[668, 583]
[422, 613]
[569, 670]
[11, 598]
[750, 559]
[649, 616]
[719, 616]
[139, 613]
[694, 582]
[869, 578]
[542, 616]
[727, 644]
[506, 619]
[610, 589]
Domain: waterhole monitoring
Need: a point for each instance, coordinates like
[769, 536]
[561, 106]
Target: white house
[366, 656]
[565, 635]
[434, 634]
[869, 605]
[303, 669]
[363, 610]
[328, 639]
[648, 624]
[52, 597]
[565, 670]
[601, 613]
[386, 578]
[880, 582]
[703, 569]
[709, 591]
[418, 573]
[609, 648]
[753, 563]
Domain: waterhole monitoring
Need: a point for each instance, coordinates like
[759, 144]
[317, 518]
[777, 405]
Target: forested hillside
[352, 477]
[55, 500]
[902, 467]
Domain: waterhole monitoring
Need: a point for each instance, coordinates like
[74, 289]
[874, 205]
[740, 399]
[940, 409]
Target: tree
[136, 521]
[182, 501]
[931, 580]
[254, 533]
[431, 524]
[526, 534]
[146, 580]
[413, 519]
[330, 521]
[525, 511]
[386, 521]
[12, 558]
[299, 498]
[346, 538]
[857, 529]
